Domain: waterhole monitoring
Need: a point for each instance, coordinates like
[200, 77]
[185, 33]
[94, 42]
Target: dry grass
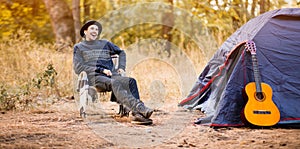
[23, 60]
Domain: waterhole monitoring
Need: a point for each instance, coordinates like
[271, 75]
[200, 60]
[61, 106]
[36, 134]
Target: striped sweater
[95, 56]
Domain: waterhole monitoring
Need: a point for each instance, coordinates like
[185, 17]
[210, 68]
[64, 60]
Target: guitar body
[261, 111]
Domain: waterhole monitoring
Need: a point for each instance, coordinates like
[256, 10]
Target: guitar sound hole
[261, 112]
[259, 95]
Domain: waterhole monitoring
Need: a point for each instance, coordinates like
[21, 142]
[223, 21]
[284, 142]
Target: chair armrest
[115, 59]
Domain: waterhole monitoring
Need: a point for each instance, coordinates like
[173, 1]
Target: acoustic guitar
[260, 109]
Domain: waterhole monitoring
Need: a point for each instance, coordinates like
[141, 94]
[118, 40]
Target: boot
[139, 119]
[143, 110]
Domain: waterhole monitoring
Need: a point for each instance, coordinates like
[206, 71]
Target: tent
[219, 90]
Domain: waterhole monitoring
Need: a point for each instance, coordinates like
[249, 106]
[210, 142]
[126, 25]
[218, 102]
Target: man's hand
[107, 72]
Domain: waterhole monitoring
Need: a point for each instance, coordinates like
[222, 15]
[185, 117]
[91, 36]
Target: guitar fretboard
[252, 48]
[256, 74]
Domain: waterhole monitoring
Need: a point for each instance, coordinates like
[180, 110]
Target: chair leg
[120, 110]
[123, 111]
[82, 113]
[82, 104]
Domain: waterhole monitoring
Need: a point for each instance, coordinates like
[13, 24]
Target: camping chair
[87, 93]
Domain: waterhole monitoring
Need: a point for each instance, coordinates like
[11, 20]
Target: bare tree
[61, 20]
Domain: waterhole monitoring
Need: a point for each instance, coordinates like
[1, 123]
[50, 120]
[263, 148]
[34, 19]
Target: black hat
[89, 23]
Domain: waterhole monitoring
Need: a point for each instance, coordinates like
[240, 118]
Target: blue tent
[219, 90]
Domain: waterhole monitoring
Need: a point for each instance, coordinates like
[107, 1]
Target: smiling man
[94, 57]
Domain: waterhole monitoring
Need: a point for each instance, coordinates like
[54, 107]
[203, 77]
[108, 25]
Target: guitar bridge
[261, 112]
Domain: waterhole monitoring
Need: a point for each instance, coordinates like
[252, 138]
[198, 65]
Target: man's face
[91, 33]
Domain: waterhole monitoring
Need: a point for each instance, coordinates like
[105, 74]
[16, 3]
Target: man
[93, 56]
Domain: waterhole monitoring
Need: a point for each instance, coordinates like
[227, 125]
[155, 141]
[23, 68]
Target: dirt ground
[60, 126]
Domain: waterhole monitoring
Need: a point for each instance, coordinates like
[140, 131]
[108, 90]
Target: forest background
[37, 36]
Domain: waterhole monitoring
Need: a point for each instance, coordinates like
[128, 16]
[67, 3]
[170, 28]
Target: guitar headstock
[250, 45]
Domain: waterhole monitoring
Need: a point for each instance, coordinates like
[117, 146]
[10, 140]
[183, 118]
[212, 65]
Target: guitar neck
[256, 74]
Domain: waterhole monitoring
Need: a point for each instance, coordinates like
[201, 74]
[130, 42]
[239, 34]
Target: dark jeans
[124, 89]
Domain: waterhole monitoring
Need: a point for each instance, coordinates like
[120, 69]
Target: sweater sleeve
[78, 63]
[122, 55]
[122, 60]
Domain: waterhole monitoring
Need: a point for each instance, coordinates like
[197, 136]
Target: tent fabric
[219, 90]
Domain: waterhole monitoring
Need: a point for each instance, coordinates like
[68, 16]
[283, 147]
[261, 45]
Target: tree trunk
[253, 7]
[76, 18]
[168, 19]
[87, 10]
[262, 6]
[61, 20]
